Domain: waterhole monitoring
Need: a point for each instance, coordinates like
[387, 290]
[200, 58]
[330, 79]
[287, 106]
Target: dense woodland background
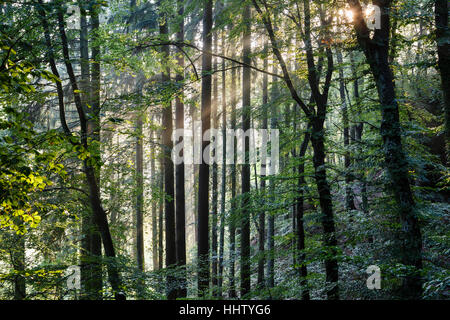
[90, 92]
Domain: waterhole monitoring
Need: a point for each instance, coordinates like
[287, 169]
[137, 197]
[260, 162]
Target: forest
[224, 150]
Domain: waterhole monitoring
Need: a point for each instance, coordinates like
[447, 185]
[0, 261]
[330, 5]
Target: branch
[286, 77]
[51, 59]
[185, 44]
[72, 78]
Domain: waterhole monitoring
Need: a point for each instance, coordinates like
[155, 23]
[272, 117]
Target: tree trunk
[224, 171]
[93, 131]
[356, 134]
[349, 201]
[154, 212]
[139, 175]
[18, 261]
[180, 191]
[326, 206]
[203, 187]
[91, 285]
[245, 176]
[232, 225]
[161, 212]
[303, 271]
[271, 217]
[169, 192]
[262, 214]
[139, 202]
[214, 204]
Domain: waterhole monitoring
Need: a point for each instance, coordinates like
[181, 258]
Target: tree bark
[18, 262]
[245, 175]
[169, 192]
[232, 225]
[91, 284]
[349, 201]
[154, 211]
[203, 188]
[161, 212]
[303, 271]
[93, 131]
[262, 214]
[271, 218]
[224, 171]
[180, 178]
[214, 204]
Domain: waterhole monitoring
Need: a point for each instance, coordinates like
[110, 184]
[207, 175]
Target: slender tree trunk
[294, 169]
[91, 286]
[18, 261]
[195, 176]
[349, 201]
[93, 131]
[154, 212]
[139, 175]
[262, 214]
[232, 225]
[203, 187]
[139, 196]
[271, 217]
[180, 191]
[317, 121]
[326, 206]
[214, 204]
[357, 131]
[303, 271]
[224, 171]
[245, 176]
[169, 192]
[161, 213]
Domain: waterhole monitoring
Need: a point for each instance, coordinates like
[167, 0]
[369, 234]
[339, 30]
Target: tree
[91, 246]
[262, 214]
[214, 186]
[245, 205]
[233, 206]
[224, 172]
[180, 193]
[350, 205]
[169, 192]
[203, 180]
[316, 117]
[376, 50]
[89, 162]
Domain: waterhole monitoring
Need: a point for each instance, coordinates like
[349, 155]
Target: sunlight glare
[349, 15]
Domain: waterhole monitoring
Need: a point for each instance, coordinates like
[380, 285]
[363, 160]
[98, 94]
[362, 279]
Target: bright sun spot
[349, 15]
[369, 11]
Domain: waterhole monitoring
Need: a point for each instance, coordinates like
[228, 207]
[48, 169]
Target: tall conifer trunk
[203, 187]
